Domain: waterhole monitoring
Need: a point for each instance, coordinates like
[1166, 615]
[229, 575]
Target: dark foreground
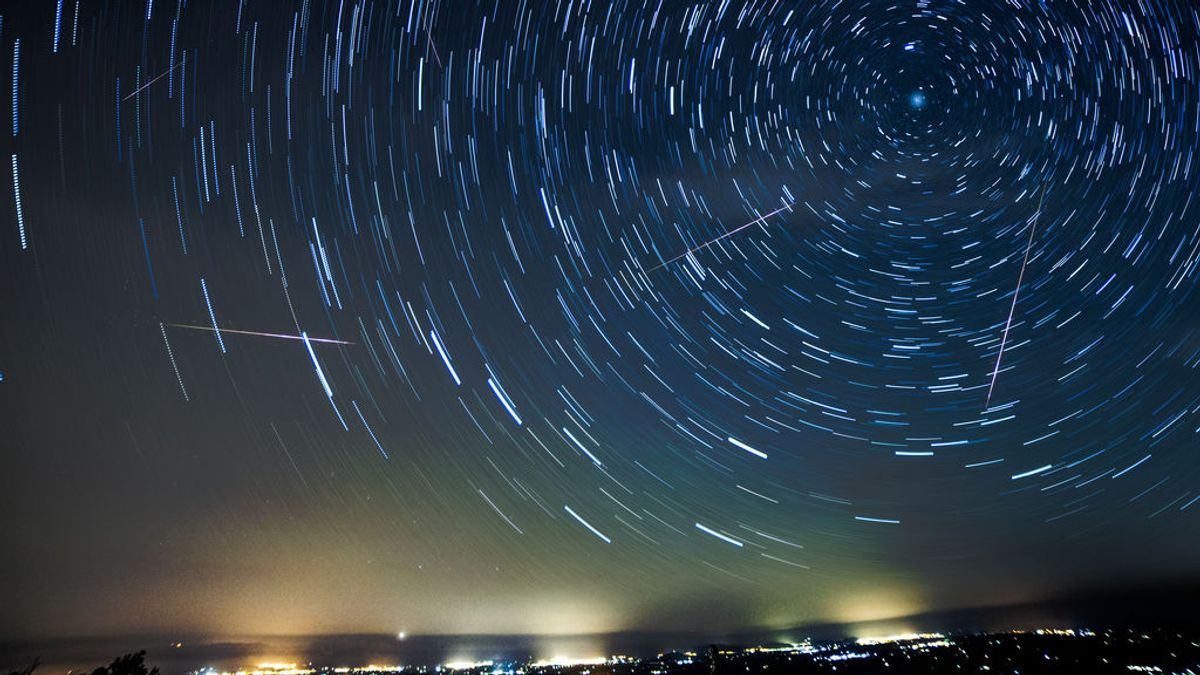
[1021, 652]
[1008, 653]
[1016, 652]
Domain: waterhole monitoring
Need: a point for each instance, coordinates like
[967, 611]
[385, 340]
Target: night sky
[575, 316]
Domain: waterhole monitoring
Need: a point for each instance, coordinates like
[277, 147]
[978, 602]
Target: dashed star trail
[590, 315]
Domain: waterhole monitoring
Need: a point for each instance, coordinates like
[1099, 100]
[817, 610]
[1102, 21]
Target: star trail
[577, 315]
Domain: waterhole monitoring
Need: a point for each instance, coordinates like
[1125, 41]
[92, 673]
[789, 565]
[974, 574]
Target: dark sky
[340, 316]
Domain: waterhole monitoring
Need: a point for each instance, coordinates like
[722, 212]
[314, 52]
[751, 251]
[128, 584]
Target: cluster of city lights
[494, 668]
[859, 648]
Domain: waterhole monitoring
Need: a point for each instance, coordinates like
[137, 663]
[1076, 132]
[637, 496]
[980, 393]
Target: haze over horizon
[1146, 608]
[576, 318]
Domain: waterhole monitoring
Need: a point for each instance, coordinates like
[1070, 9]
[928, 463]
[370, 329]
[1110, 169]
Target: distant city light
[1043, 644]
[566, 661]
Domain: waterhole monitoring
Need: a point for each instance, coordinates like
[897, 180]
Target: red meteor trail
[435, 51]
[732, 232]
[135, 92]
[282, 336]
[1020, 277]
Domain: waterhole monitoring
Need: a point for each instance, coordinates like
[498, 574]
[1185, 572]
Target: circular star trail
[811, 310]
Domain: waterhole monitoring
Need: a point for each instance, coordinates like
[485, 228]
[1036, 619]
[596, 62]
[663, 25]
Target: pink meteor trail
[1012, 309]
[434, 46]
[282, 336]
[139, 90]
[730, 233]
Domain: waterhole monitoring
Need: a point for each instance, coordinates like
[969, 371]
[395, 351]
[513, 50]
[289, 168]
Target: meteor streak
[434, 47]
[139, 90]
[785, 207]
[1011, 309]
[282, 336]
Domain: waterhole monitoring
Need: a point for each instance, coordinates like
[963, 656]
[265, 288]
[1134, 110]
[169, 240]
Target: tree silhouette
[28, 670]
[130, 664]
